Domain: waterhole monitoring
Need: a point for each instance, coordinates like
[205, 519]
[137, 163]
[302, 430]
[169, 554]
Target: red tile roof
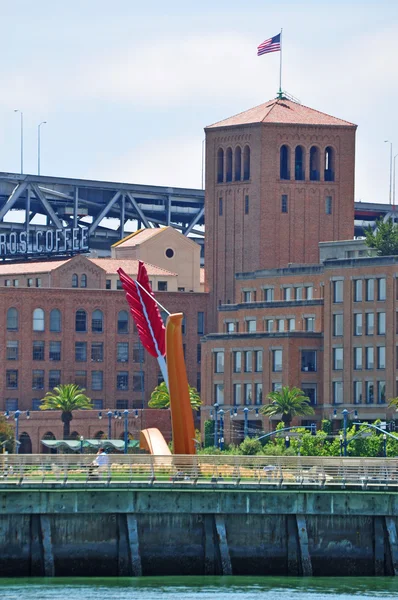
[137, 237]
[28, 268]
[282, 111]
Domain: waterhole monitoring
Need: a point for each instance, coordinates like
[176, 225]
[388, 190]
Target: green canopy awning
[75, 445]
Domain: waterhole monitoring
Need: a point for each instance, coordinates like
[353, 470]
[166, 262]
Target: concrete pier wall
[149, 531]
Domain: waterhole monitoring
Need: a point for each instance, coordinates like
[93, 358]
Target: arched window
[299, 169]
[123, 322]
[75, 280]
[81, 321]
[55, 320]
[246, 163]
[314, 164]
[97, 321]
[284, 160]
[329, 164]
[45, 449]
[100, 435]
[238, 163]
[25, 443]
[220, 165]
[229, 164]
[38, 319]
[83, 281]
[74, 436]
[12, 319]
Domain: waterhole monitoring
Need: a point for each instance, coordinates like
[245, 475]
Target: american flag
[271, 45]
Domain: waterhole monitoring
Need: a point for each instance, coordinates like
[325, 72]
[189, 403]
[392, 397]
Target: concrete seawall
[150, 531]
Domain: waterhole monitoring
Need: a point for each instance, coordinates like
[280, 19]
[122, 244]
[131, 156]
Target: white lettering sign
[43, 241]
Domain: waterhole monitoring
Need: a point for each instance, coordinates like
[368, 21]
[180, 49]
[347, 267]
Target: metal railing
[44, 470]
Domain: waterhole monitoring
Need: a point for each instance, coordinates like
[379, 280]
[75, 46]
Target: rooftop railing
[68, 470]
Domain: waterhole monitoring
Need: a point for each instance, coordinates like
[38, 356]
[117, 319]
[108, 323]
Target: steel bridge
[112, 210]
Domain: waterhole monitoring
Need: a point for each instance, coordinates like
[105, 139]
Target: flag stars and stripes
[271, 45]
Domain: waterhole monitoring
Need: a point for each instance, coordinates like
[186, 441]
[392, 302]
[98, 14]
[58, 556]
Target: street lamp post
[388, 142]
[21, 113]
[287, 442]
[109, 414]
[393, 180]
[221, 436]
[216, 425]
[81, 444]
[126, 430]
[384, 445]
[345, 414]
[38, 145]
[16, 416]
[246, 411]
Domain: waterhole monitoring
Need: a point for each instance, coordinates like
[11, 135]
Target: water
[200, 588]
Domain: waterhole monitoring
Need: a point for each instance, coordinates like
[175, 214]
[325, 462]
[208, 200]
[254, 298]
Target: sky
[127, 86]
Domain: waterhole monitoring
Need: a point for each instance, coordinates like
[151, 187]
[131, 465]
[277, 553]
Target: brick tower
[279, 179]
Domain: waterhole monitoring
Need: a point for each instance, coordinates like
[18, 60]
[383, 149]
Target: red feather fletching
[145, 311]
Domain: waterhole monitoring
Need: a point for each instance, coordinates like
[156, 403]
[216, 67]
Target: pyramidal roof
[282, 111]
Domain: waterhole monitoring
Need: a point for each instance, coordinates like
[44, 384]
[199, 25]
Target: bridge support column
[393, 543]
[134, 545]
[48, 557]
[306, 565]
[226, 565]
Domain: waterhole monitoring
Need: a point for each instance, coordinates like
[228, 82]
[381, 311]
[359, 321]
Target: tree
[393, 403]
[288, 402]
[384, 238]
[6, 435]
[66, 398]
[160, 397]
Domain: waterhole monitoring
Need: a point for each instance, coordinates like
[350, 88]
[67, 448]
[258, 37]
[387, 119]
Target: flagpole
[280, 69]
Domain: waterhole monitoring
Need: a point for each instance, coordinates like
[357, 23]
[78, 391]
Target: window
[276, 361]
[381, 392]
[98, 404]
[370, 290]
[338, 359]
[199, 353]
[12, 319]
[80, 351]
[309, 323]
[258, 393]
[299, 171]
[122, 380]
[12, 350]
[248, 361]
[11, 404]
[369, 361]
[309, 292]
[231, 327]
[83, 281]
[237, 392]
[258, 361]
[55, 320]
[97, 321]
[381, 323]
[12, 379]
[358, 290]
[228, 166]
[238, 163]
[246, 205]
[276, 386]
[138, 382]
[284, 206]
[370, 323]
[358, 358]
[122, 352]
[328, 205]
[38, 319]
[219, 362]
[381, 357]
[198, 382]
[97, 380]
[54, 378]
[38, 282]
[220, 207]
[55, 351]
[119, 285]
[201, 323]
[314, 164]
[16, 282]
[81, 379]
[291, 324]
[246, 163]
[298, 293]
[269, 325]
[7, 282]
[36, 403]
[75, 280]
[108, 284]
[184, 325]
[284, 160]
[38, 379]
[280, 323]
[381, 289]
[219, 393]
[329, 164]
[338, 290]
[123, 322]
[122, 404]
[358, 324]
[357, 392]
[268, 294]
[247, 296]
[337, 325]
[237, 361]
[29, 282]
[251, 325]
[369, 392]
[248, 393]
[337, 391]
[162, 286]
[97, 351]
[308, 360]
[138, 353]
[81, 321]
[38, 350]
[220, 165]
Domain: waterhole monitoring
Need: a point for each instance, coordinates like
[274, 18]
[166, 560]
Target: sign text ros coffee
[43, 241]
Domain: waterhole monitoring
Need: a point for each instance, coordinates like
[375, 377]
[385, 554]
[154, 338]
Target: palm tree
[160, 397]
[66, 398]
[288, 402]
